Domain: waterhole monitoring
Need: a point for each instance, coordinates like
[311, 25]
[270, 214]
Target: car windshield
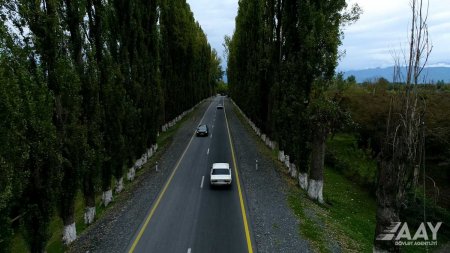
[221, 172]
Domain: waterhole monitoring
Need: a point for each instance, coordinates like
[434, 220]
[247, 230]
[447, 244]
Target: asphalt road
[191, 216]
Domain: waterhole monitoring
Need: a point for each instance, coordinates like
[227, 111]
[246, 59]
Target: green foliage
[222, 88]
[189, 68]
[12, 150]
[272, 71]
[369, 107]
[351, 80]
[85, 87]
[326, 113]
[356, 164]
[356, 155]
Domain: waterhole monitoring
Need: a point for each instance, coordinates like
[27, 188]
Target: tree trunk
[119, 185]
[315, 186]
[304, 150]
[69, 233]
[107, 197]
[68, 195]
[68, 217]
[131, 173]
[303, 180]
[387, 206]
[106, 183]
[89, 198]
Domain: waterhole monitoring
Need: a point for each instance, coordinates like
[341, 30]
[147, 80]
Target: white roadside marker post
[156, 167]
[256, 164]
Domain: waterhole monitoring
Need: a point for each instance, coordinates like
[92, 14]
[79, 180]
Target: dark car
[202, 130]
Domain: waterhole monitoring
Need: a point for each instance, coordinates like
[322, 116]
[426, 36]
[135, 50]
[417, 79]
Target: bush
[356, 164]
[369, 107]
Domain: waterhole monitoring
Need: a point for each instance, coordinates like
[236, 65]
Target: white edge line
[201, 184]
[207, 152]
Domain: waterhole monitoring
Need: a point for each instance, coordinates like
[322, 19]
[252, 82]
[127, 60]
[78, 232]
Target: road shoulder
[274, 225]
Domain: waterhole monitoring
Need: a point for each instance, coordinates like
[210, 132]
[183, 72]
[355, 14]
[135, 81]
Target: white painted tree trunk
[315, 190]
[144, 159]
[89, 215]
[286, 161]
[272, 145]
[268, 142]
[131, 173]
[119, 185]
[69, 234]
[303, 180]
[150, 153]
[293, 170]
[138, 164]
[107, 197]
[281, 156]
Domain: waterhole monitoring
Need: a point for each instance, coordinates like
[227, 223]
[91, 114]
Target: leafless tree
[402, 152]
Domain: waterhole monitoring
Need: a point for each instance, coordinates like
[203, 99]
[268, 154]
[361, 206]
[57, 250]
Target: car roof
[221, 166]
[201, 126]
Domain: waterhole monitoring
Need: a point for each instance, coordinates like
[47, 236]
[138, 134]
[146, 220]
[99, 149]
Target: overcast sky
[382, 28]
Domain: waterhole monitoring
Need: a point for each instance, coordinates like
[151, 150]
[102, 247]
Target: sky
[369, 43]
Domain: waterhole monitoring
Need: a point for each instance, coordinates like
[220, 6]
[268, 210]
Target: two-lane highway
[189, 215]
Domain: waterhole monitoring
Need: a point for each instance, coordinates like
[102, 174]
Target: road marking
[161, 194]
[210, 136]
[207, 152]
[189, 250]
[201, 184]
[241, 199]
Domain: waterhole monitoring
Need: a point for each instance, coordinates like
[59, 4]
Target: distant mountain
[430, 74]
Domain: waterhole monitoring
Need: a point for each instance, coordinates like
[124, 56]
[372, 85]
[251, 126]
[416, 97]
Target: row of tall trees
[281, 63]
[85, 86]
[281, 66]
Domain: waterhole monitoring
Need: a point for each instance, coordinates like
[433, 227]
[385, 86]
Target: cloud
[382, 29]
[216, 18]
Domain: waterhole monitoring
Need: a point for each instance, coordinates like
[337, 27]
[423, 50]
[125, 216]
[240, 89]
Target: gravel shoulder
[116, 228]
[274, 225]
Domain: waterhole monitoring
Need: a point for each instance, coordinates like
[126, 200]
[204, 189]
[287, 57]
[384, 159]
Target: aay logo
[399, 231]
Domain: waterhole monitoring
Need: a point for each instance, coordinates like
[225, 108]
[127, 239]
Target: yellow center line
[161, 194]
[241, 199]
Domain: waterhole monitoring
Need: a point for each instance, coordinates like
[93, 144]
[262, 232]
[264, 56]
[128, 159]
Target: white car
[220, 174]
[219, 106]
